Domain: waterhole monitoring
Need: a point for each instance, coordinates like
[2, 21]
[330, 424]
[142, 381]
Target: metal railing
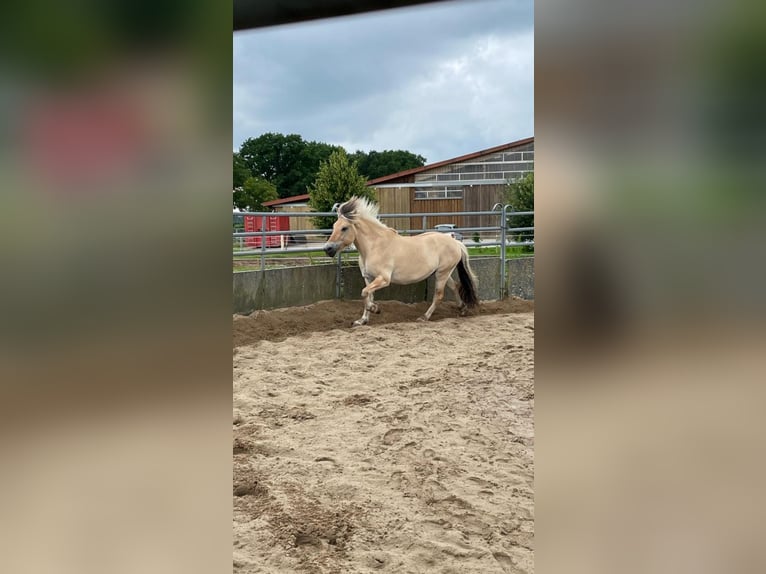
[501, 232]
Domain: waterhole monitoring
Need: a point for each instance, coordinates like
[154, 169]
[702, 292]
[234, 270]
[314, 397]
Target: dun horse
[385, 257]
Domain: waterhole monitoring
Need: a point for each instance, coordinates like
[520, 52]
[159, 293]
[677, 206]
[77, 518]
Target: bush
[521, 196]
[337, 181]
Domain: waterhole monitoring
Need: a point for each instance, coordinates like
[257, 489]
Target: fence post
[263, 243]
[503, 239]
[423, 226]
[339, 277]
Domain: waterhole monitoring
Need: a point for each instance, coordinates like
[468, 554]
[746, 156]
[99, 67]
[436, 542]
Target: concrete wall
[283, 287]
[521, 277]
[353, 284]
[291, 286]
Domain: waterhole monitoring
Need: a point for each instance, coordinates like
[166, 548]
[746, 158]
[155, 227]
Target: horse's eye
[344, 228]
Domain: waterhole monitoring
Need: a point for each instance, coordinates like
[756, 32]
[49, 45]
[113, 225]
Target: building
[472, 182]
[296, 203]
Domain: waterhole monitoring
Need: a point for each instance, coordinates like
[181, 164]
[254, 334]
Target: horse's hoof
[359, 323]
[422, 319]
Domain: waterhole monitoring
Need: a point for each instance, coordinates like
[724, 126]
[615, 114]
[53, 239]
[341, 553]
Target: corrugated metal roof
[293, 199]
[459, 159]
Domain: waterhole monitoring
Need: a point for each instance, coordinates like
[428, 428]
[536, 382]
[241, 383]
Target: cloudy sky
[437, 80]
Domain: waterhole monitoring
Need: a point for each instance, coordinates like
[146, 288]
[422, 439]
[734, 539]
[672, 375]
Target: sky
[438, 80]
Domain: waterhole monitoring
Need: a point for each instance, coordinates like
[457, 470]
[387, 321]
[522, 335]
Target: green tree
[376, 164]
[241, 171]
[336, 181]
[251, 195]
[520, 194]
[287, 161]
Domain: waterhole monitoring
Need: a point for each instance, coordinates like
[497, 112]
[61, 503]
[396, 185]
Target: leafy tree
[241, 171]
[287, 161]
[376, 164]
[253, 193]
[336, 181]
[520, 194]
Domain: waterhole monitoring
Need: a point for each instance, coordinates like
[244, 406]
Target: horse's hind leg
[441, 281]
[461, 307]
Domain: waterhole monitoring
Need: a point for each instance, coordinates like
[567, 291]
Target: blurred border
[650, 314]
[115, 364]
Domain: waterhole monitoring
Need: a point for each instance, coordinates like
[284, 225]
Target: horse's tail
[467, 286]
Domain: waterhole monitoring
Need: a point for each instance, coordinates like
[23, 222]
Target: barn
[472, 182]
[296, 203]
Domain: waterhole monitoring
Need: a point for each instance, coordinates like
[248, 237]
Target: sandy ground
[394, 447]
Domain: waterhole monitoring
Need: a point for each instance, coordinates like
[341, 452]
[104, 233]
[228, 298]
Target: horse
[386, 257]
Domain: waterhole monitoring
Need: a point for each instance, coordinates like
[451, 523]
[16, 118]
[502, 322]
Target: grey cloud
[355, 81]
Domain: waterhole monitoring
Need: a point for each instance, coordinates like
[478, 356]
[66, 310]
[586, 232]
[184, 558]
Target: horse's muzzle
[330, 249]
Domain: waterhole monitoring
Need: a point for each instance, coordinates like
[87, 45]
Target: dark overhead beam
[259, 13]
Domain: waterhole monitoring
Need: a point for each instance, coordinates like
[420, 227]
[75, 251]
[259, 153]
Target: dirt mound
[279, 324]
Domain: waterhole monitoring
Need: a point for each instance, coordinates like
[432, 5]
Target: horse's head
[343, 235]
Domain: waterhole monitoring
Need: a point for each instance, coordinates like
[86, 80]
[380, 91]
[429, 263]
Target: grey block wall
[353, 284]
[292, 286]
[487, 270]
[521, 278]
[283, 287]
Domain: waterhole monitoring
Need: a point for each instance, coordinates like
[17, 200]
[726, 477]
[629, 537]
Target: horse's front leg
[370, 304]
[367, 308]
[369, 298]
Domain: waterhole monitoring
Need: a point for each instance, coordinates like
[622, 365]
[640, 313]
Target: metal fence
[297, 241]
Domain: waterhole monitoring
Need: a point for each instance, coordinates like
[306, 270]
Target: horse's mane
[360, 208]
